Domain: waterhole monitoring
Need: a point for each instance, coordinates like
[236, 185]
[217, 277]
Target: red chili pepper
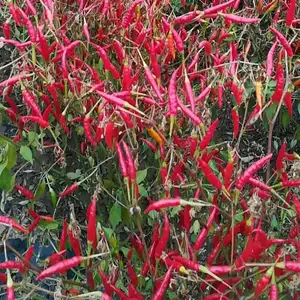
[297, 205]
[115, 100]
[35, 119]
[290, 14]
[138, 245]
[263, 282]
[149, 144]
[218, 7]
[55, 257]
[163, 203]
[119, 51]
[284, 42]
[173, 104]
[294, 232]
[34, 224]
[75, 243]
[288, 102]
[61, 267]
[280, 82]
[12, 104]
[194, 118]
[130, 161]
[105, 283]
[207, 47]
[189, 91]
[238, 228]
[215, 296]
[119, 293]
[270, 59]
[25, 192]
[209, 175]
[63, 237]
[132, 275]
[3, 277]
[10, 222]
[47, 112]
[128, 16]
[236, 122]
[11, 265]
[11, 81]
[30, 103]
[10, 294]
[280, 157]
[133, 293]
[259, 184]
[86, 32]
[273, 293]
[31, 7]
[29, 25]
[237, 93]
[185, 18]
[44, 48]
[203, 94]
[69, 190]
[15, 13]
[27, 258]
[291, 183]
[159, 294]
[88, 132]
[185, 220]
[163, 241]
[239, 20]
[92, 223]
[122, 162]
[244, 178]
[209, 134]
[6, 29]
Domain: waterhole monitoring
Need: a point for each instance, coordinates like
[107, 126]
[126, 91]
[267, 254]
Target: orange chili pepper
[155, 135]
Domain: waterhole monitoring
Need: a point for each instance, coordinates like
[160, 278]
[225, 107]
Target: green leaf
[175, 211]
[141, 175]
[275, 145]
[149, 285]
[72, 175]
[274, 222]
[298, 108]
[115, 215]
[26, 153]
[272, 83]
[239, 218]
[196, 226]
[53, 197]
[297, 135]
[270, 111]
[143, 192]
[108, 232]
[3, 165]
[108, 184]
[125, 215]
[40, 191]
[48, 225]
[32, 135]
[285, 119]
[11, 156]
[293, 143]
[7, 181]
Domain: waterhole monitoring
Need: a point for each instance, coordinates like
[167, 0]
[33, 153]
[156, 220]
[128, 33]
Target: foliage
[122, 103]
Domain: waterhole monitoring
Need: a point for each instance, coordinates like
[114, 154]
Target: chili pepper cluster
[139, 79]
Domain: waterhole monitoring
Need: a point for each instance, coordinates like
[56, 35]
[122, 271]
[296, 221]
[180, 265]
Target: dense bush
[143, 107]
